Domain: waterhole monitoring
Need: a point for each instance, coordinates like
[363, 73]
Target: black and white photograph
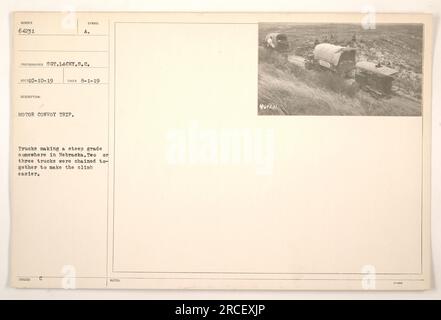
[340, 69]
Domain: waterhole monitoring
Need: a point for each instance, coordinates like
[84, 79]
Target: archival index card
[221, 151]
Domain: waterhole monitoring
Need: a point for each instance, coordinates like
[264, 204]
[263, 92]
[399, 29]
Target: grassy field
[290, 89]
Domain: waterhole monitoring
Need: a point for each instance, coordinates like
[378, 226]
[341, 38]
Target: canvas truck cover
[330, 53]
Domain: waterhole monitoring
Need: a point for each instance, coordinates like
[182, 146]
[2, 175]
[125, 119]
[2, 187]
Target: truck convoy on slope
[370, 76]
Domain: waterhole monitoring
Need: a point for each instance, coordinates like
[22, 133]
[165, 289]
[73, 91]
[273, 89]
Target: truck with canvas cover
[277, 41]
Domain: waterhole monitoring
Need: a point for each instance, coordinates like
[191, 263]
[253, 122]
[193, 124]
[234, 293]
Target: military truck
[334, 58]
[375, 78]
[277, 41]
